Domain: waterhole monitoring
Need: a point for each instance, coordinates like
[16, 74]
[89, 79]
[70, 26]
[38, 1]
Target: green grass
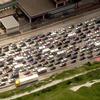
[62, 92]
[57, 94]
[92, 93]
[54, 77]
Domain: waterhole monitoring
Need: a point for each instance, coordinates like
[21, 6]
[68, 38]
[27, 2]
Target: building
[32, 9]
[40, 8]
[60, 2]
[10, 24]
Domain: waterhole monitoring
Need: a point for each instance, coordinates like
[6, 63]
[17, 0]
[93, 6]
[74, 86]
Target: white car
[11, 81]
[64, 60]
[82, 50]
[2, 83]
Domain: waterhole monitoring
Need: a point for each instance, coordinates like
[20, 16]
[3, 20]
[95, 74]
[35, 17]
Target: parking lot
[43, 53]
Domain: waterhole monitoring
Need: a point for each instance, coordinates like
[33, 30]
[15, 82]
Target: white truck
[25, 80]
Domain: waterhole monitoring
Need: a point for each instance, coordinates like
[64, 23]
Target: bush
[68, 82]
[78, 79]
[88, 63]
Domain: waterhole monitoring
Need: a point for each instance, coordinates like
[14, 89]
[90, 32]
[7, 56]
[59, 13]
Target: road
[48, 85]
[45, 29]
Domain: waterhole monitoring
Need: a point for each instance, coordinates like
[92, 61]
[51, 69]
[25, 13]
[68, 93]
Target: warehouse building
[10, 24]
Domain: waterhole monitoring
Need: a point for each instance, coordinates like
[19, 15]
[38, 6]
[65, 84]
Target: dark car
[2, 54]
[73, 57]
[76, 38]
[77, 31]
[57, 62]
[51, 61]
[82, 54]
[73, 61]
[73, 43]
[50, 65]
[79, 24]
[97, 21]
[62, 65]
[31, 42]
[85, 29]
[5, 49]
[83, 36]
[1, 64]
[98, 54]
[74, 53]
[53, 68]
[22, 44]
[65, 45]
[91, 27]
[27, 40]
[80, 34]
[89, 56]
[76, 49]
[68, 55]
[82, 58]
[79, 41]
[0, 72]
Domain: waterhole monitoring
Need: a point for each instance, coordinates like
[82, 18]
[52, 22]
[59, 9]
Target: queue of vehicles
[44, 53]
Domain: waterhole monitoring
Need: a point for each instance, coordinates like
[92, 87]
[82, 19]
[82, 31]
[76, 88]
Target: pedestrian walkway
[87, 84]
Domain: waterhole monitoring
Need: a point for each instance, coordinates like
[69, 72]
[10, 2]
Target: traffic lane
[65, 68]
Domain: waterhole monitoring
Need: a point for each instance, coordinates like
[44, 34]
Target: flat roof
[36, 7]
[9, 22]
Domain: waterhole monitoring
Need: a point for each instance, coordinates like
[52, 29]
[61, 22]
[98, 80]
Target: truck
[26, 80]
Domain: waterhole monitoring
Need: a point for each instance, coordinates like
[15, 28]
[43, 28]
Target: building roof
[97, 59]
[9, 22]
[36, 7]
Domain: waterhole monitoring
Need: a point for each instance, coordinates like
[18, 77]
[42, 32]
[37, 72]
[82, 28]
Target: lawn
[62, 91]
